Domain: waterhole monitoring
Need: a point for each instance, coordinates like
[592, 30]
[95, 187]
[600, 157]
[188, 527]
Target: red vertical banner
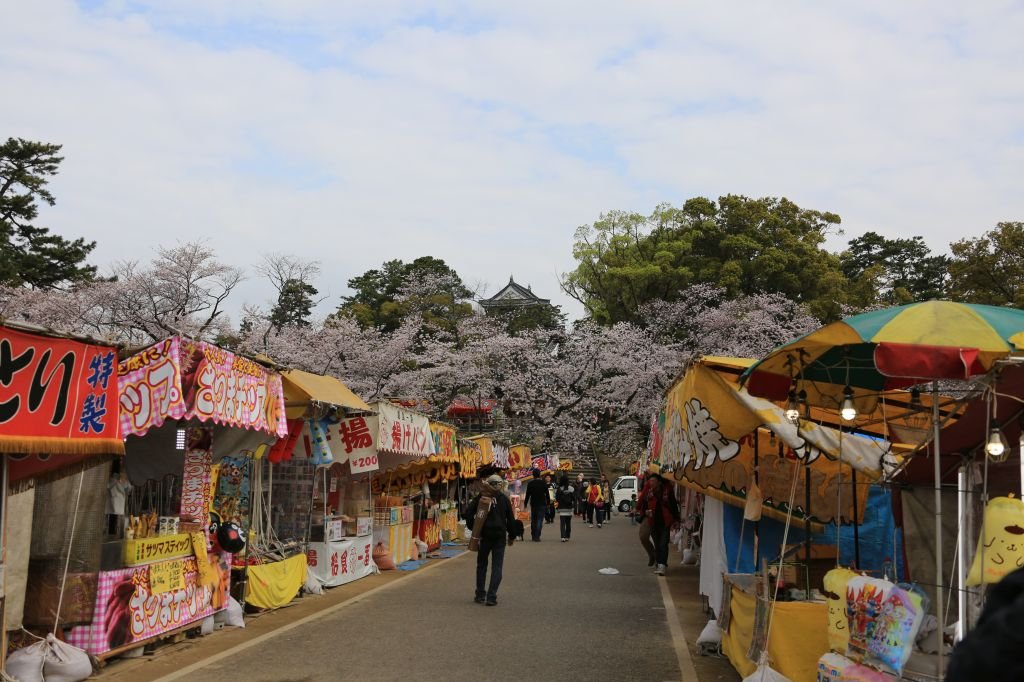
[195, 483]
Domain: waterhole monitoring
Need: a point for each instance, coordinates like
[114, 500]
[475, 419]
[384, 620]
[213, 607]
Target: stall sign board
[403, 432]
[341, 561]
[195, 479]
[128, 610]
[57, 395]
[444, 442]
[565, 465]
[149, 550]
[179, 378]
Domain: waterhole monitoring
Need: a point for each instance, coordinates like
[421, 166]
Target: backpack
[565, 499]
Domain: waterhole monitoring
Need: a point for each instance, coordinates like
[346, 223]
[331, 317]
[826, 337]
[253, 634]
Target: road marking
[210, 660]
[688, 672]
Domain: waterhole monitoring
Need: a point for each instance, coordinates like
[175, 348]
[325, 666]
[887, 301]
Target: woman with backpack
[565, 499]
[595, 502]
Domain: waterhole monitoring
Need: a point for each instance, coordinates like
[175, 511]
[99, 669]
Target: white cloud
[485, 133]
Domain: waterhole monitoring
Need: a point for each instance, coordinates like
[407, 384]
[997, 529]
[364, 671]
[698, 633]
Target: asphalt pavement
[557, 618]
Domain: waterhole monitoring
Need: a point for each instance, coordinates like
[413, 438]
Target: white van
[623, 491]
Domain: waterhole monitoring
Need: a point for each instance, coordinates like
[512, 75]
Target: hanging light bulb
[793, 408]
[848, 411]
[996, 447]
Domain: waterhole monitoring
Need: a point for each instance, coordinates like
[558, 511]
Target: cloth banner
[183, 379]
[429, 531]
[539, 462]
[398, 540]
[486, 446]
[341, 561]
[501, 455]
[798, 638]
[127, 609]
[403, 432]
[57, 396]
[712, 432]
[519, 456]
[195, 479]
[17, 548]
[470, 455]
[271, 586]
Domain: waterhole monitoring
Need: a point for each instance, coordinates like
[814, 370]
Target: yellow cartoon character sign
[835, 592]
[1001, 546]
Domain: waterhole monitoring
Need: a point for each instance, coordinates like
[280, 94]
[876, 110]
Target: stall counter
[340, 561]
[799, 635]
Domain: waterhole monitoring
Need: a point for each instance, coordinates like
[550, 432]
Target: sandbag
[26, 665]
[690, 557]
[312, 585]
[49, 661]
[207, 626]
[709, 642]
[233, 615]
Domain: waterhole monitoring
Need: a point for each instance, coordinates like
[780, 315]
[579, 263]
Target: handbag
[599, 504]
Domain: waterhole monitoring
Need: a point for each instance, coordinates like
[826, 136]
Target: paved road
[557, 618]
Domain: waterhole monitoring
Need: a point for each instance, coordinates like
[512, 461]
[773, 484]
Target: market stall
[186, 408]
[311, 497]
[60, 435]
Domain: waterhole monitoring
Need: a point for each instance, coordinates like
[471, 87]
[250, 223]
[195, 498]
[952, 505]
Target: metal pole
[936, 450]
[757, 524]
[856, 524]
[961, 551]
[807, 526]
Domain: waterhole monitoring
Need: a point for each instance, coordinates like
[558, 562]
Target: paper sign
[166, 576]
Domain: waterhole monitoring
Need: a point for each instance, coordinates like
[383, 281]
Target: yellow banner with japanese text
[149, 550]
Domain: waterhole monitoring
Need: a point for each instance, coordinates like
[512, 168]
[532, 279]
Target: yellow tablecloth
[271, 586]
[799, 636]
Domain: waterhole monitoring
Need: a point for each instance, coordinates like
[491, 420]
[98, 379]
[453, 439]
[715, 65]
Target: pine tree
[294, 304]
[30, 255]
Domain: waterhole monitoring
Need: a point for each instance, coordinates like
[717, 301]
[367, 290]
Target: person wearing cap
[494, 536]
[658, 508]
[537, 499]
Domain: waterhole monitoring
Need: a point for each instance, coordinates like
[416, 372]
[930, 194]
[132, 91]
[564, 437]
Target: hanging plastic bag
[765, 673]
[755, 501]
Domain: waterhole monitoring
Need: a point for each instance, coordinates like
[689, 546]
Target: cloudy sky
[485, 132]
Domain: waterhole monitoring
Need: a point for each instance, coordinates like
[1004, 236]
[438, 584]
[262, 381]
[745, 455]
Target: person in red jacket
[658, 509]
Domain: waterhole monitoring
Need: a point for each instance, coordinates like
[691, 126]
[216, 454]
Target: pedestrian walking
[490, 512]
[565, 501]
[595, 503]
[537, 500]
[650, 481]
[549, 513]
[580, 499]
[609, 501]
[584, 503]
[659, 507]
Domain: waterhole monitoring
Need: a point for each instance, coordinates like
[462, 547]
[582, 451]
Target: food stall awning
[302, 388]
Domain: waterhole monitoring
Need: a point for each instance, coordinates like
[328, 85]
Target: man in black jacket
[992, 650]
[494, 535]
[537, 499]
